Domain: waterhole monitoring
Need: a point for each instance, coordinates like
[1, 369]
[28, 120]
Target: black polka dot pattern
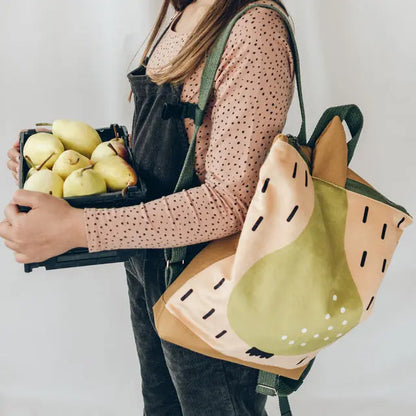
[253, 90]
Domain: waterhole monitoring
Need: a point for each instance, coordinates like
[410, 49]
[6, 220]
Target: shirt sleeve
[252, 94]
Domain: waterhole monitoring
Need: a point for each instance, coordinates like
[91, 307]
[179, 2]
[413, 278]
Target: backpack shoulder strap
[214, 58]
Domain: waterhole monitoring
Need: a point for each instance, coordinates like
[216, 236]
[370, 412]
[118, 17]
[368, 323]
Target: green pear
[110, 148]
[118, 174]
[68, 161]
[45, 181]
[40, 146]
[76, 135]
[84, 181]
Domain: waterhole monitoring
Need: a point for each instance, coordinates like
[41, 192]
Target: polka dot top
[253, 90]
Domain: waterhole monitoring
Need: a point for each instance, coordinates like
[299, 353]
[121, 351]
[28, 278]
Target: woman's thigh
[159, 393]
[209, 386]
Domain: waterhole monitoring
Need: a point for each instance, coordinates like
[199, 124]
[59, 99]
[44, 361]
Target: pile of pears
[72, 160]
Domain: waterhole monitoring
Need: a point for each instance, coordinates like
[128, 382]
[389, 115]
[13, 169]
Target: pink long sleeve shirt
[253, 90]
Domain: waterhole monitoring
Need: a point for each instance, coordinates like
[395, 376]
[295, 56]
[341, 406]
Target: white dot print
[330, 328]
[284, 337]
[334, 298]
[326, 338]
[303, 344]
[316, 336]
[338, 335]
[344, 322]
[304, 330]
[342, 310]
[327, 316]
[291, 342]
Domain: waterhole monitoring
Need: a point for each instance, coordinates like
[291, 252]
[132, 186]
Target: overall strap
[176, 257]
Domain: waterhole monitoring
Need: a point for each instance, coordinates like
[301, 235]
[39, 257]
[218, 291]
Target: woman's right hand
[14, 156]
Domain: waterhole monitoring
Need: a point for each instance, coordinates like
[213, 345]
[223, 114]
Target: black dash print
[363, 258]
[289, 218]
[398, 225]
[306, 178]
[384, 265]
[207, 315]
[266, 183]
[186, 294]
[260, 219]
[383, 232]
[258, 353]
[221, 334]
[371, 301]
[365, 214]
[294, 170]
[219, 284]
[302, 360]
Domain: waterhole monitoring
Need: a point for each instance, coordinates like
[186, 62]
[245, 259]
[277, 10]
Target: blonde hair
[200, 41]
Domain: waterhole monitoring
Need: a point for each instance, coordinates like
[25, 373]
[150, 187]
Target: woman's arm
[253, 91]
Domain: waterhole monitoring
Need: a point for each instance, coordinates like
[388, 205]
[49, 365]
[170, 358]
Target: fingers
[13, 154]
[11, 245]
[13, 166]
[11, 212]
[29, 198]
[5, 230]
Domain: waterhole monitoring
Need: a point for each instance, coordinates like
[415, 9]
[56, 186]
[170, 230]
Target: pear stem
[112, 148]
[88, 167]
[43, 163]
[44, 124]
[74, 162]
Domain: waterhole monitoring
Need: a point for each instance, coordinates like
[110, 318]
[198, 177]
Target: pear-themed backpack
[306, 267]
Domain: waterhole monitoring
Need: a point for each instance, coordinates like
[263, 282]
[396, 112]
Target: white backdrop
[66, 345]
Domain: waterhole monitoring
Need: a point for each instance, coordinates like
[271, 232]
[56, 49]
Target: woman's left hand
[50, 228]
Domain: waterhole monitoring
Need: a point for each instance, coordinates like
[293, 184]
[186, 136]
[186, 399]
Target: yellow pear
[68, 161]
[84, 181]
[45, 181]
[40, 146]
[118, 174]
[109, 148]
[76, 135]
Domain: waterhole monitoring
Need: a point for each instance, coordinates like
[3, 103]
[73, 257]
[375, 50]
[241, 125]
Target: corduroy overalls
[175, 381]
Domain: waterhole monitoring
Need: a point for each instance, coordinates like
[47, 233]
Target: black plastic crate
[130, 196]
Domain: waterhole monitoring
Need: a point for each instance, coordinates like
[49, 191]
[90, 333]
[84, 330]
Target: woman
[251, 96]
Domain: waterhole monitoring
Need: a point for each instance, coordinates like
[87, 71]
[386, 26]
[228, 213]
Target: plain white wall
[66, 345]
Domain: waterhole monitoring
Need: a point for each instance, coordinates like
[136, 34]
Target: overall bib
[175, 381]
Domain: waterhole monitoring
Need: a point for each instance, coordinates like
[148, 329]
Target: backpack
[305, 269]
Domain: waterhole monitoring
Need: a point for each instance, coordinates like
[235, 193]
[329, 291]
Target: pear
[112, 147]
[118, 174]
[40, 146]
[75, 135]
[68, 161]
[84, 181]
[45, 181]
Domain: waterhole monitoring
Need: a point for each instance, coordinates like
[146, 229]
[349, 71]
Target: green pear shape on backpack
[286, 306]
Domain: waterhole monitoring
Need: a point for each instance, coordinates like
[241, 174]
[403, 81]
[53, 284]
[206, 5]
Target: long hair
[200, 41]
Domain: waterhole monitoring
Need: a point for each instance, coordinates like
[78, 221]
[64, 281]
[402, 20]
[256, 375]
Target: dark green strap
[177, 254]
[352, 116]
[266, 384]
[214, 58]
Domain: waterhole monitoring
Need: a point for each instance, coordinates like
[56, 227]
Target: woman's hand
[14, 156]
[50, 228]
[13, 162]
